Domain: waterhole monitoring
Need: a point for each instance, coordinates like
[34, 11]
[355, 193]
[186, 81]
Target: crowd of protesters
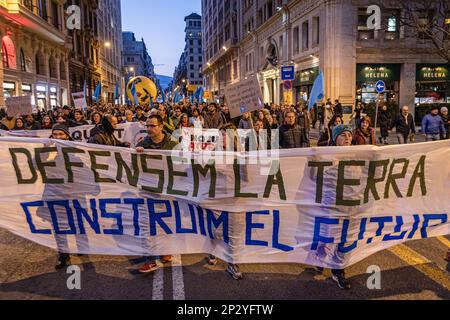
[294, 124]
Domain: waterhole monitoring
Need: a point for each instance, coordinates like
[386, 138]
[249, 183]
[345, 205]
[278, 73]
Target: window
[364, 33]
[296, 40]
[316, 31]
[305, 36]
[23, 65]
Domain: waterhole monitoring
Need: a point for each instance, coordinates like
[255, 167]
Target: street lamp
[107, 44]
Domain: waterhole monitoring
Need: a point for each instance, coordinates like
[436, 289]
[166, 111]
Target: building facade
[84, 66]
[136, 60]
[222, 33]
[109, 19]
[330, 36]
[35, 55]
[188, 74]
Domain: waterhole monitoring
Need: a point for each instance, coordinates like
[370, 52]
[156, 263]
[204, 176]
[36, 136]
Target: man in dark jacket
[292, 135]
[405, 126]
[157, 139]
[78, 120]
[105, 133]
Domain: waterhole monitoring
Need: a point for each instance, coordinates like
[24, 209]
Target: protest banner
[20, 105]
[328, 207]
[128, 132]
[244, 96]
[79, 99]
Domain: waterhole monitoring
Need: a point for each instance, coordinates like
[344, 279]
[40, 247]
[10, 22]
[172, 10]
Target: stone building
[324, 35]
[84, 66]
[109, 20]
[188, 74]
[136, 60]
[34, 52]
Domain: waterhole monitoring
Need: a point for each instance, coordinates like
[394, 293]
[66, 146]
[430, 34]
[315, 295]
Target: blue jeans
[433, 137]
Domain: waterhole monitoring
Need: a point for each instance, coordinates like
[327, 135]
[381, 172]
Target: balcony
[30, 18]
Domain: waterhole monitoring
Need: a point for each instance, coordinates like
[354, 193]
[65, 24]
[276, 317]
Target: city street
[413, 271]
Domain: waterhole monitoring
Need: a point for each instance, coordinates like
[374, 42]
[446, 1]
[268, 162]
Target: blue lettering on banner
[56, 223]
[251, 226]
[108, 215]
[72, 217]
[25, 207]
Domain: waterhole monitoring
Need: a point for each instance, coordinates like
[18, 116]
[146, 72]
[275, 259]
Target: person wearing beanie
[61, 132]
[444, 116]
[342, 137]
[433, 125]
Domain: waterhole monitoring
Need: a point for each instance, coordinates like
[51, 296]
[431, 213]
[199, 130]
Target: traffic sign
[287, 85]
[287, 73]
[380, 86]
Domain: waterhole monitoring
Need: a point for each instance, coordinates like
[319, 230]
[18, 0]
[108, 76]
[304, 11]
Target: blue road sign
[287, 73]
[380, 86]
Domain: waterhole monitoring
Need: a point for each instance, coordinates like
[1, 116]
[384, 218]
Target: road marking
[177, 279]
[158, 283]
[445, 241]
[422, 264]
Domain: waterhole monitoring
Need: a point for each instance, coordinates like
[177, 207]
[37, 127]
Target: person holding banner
[157, 139]
[342, 137]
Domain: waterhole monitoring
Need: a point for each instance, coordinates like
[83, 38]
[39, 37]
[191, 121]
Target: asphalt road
[415, 271]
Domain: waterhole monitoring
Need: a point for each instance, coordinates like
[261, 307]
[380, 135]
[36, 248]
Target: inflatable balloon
[145, 88]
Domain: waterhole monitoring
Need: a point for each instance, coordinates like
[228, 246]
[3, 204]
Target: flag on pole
[152, 106]
[201, 94]
[134, 94]
[85, 89]
[196, 96]
[116, 92]
[98, 91]
[163, 96]
[317, 92]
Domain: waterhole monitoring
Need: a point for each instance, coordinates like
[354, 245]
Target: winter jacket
[166, 144]
[360, 138]
[292, 137]
[433, 124]
[404, 125]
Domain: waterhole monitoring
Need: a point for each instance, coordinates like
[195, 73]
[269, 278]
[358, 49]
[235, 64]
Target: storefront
[41, 97]
[367, 77]
[303, 83]
[433, 84]
[27, 89]
[53, 97]
[9, 89]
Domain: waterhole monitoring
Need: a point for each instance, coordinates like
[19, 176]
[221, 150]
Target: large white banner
[329, 207]
[128, 132]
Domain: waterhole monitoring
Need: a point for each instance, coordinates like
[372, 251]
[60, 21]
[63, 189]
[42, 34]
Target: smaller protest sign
[20, 105]
[79, 99]
[244, 96]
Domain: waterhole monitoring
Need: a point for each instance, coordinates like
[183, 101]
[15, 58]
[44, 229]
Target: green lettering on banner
[96, 166]
[276, 180]
[132, 177]
[160, 173]
[198, 169]
[372, 181]
[342, 182]
[392, 178]
[237, 183]
[69, 164]
[320, 175]
[418, 173]
[20, 179]
[172, 175]
[41, 165]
